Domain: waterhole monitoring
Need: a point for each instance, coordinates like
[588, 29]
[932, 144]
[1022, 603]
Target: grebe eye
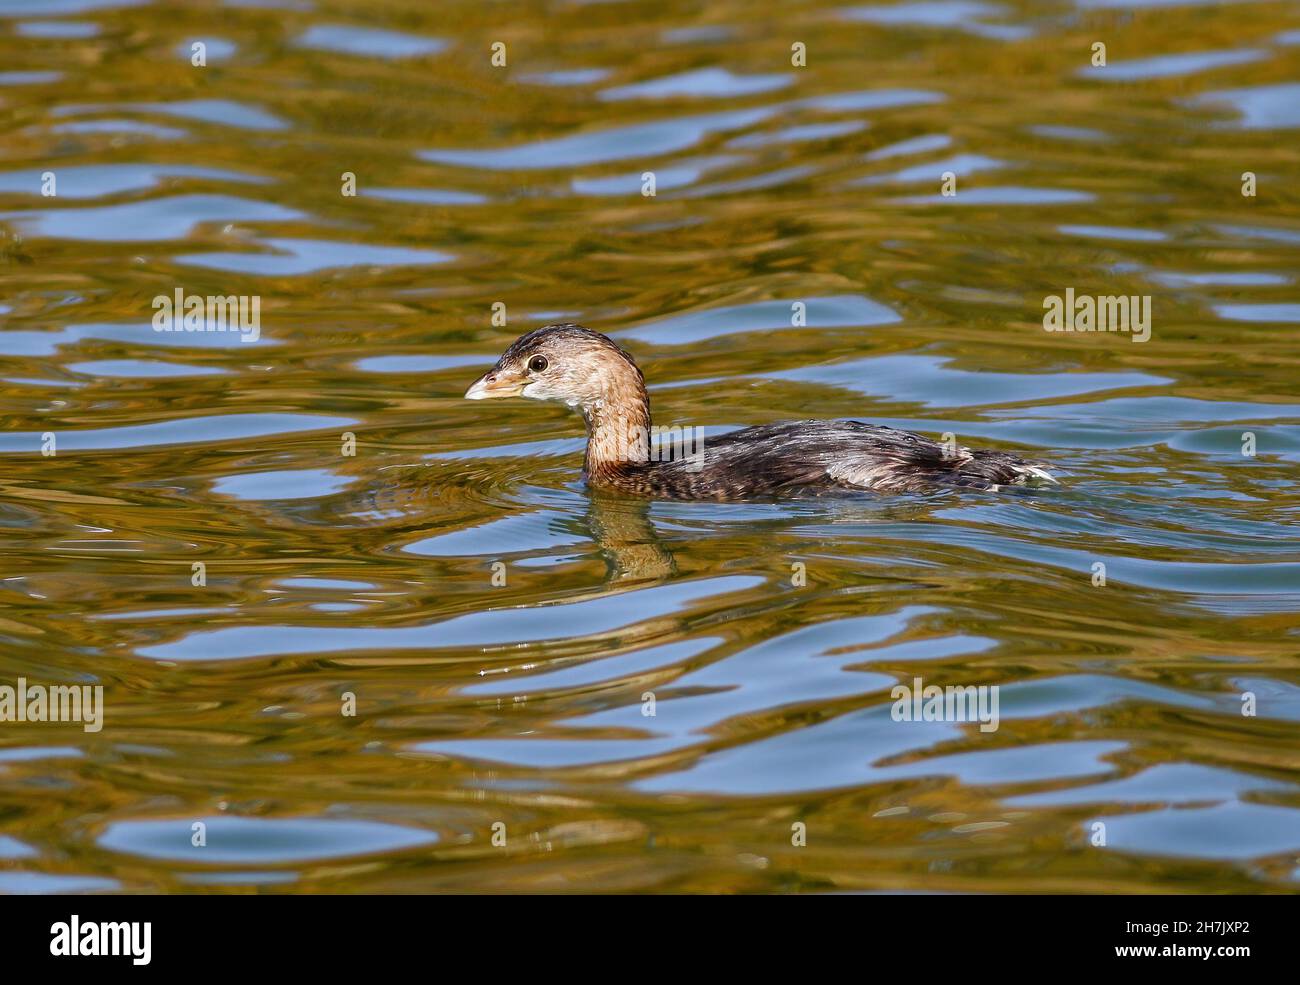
[538, 364]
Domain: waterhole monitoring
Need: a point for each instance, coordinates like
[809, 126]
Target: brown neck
[618, 428]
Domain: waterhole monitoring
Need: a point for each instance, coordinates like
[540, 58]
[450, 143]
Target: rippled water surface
[768, 636]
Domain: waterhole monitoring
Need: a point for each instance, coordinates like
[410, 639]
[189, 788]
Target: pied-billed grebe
[587, 370]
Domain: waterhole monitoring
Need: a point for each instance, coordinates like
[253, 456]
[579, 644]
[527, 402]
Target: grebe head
[567, 363]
